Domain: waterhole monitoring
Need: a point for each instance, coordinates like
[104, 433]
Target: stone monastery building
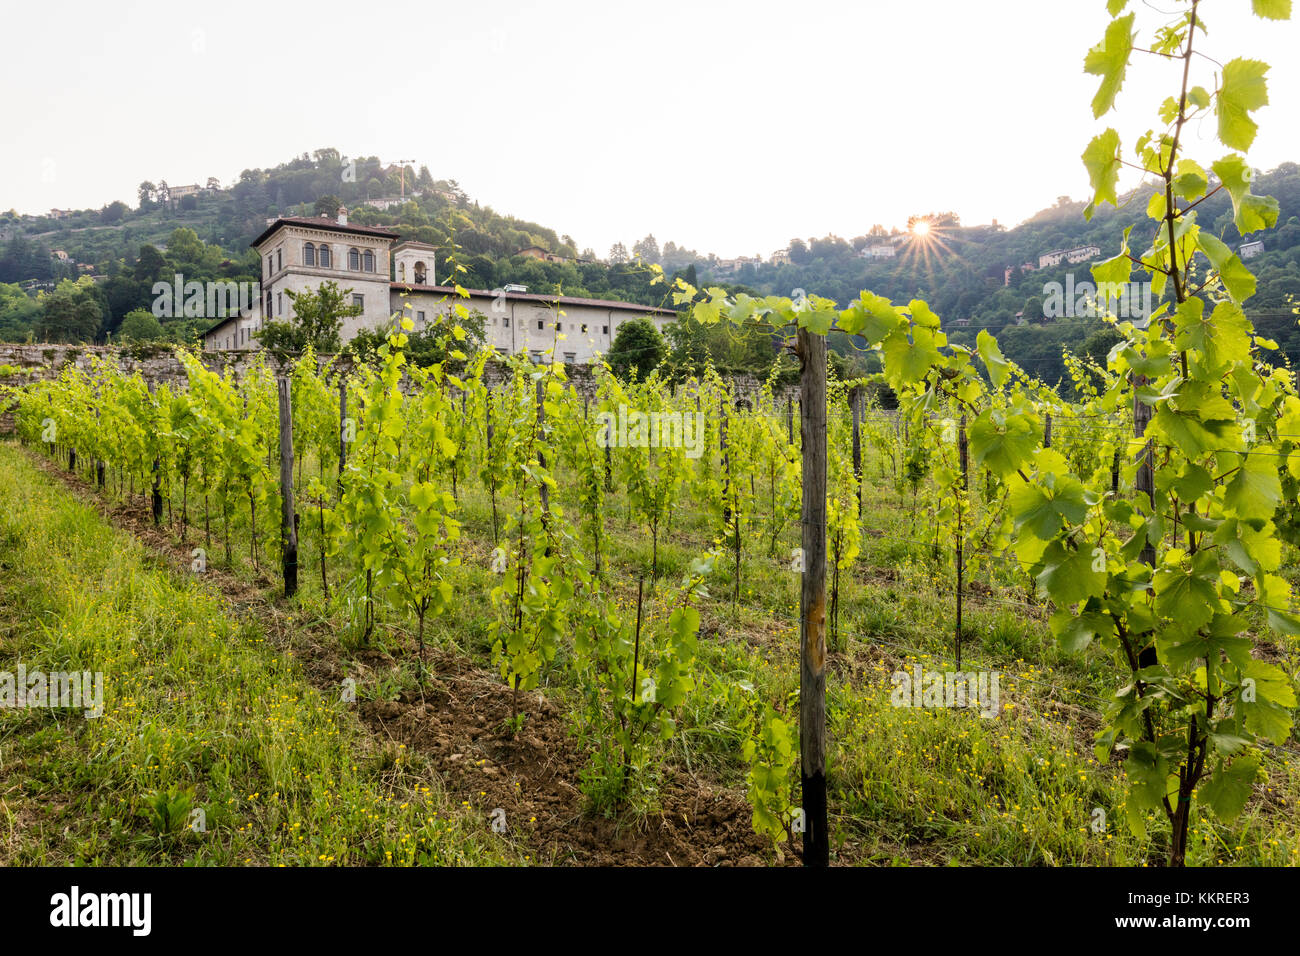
[385, 276]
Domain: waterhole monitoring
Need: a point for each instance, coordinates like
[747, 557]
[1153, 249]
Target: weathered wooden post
[726, 465]
[541, 455]
[1145, 484]
[855, 402]
[157, 479]
[343, 427]
[99, 462]
[812, 600]
[963, 451]
[1047, 431]
[288, 522]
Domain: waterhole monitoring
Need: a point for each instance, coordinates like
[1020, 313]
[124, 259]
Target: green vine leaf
[1101, 159]
[1272, 9]
[1228, 788]
[1109, 59]
[1244, 90]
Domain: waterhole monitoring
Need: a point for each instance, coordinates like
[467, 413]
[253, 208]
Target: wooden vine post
[1145, 484]
[812, 600]
[963, 452]
[726, 465]
[99, 462]
[343, 427]
[157, 478]
[288, 524]
[541, 455]
[855, 402]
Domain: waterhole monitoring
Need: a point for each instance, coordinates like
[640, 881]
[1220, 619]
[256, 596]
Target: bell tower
[413, 263]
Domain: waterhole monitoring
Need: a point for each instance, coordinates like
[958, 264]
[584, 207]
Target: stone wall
[156, 364]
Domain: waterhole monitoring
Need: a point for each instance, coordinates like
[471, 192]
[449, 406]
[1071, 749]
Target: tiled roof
[323, 222]
[538, 297]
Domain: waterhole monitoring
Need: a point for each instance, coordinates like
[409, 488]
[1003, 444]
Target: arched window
[354, 260]
[324, 256]
[309, 255]
[401, 272]
[368, 261]
[421, 273]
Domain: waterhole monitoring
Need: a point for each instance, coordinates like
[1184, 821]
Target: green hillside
[976, 276]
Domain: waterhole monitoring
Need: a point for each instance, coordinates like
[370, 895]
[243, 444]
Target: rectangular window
[279, 258]
[505, 321]
[420, 317]
[359, 300]
[584, 328]
[536, 355]
[604, 330]
[539, 325]
[570, 357]
[279, 303]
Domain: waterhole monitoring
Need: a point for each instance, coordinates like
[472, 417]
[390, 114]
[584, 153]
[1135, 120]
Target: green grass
[193, 702]
[907, 785]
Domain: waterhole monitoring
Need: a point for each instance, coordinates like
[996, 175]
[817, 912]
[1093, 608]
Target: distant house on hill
[781, 257]
[545, 255]
[1249, 250]
[180, 192]
[726, 266]
[1072, 256]
[885, 251]
[61, 213]
[537, 252]
[386, 202]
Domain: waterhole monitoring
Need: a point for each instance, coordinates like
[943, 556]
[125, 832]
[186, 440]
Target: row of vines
[1146, 505]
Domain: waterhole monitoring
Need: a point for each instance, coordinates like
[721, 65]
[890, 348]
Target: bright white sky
[727, 126]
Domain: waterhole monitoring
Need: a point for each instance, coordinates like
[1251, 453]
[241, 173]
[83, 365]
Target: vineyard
[995, 621]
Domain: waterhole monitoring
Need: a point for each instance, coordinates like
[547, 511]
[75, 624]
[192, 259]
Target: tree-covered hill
[963, 271]
[975, 276]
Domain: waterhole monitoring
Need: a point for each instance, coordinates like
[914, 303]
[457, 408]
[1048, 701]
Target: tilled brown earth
[459, 725]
